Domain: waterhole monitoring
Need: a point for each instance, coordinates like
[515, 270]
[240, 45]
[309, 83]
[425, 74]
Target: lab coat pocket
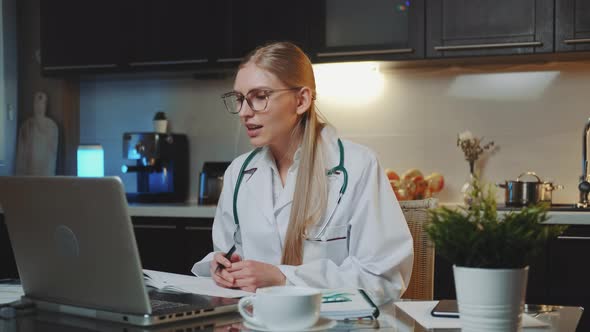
[332, 245]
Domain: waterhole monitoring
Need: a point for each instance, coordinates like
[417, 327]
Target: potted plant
[490, 253]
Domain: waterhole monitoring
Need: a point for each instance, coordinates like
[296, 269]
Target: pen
[227, 256]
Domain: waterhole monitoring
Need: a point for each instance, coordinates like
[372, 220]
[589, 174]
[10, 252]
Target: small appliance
[211, 182]
[161, 166]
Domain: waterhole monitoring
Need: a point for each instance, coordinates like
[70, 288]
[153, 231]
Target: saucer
[323, 323]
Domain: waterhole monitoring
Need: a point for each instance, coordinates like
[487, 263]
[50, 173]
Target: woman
[302, 221]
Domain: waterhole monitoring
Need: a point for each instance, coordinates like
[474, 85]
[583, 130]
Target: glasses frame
[268, 93]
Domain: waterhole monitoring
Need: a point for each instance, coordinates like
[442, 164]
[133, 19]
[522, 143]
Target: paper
[188, 284]
[10, 293]
[420, 312]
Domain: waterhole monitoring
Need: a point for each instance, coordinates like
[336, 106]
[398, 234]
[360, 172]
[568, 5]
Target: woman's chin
[258, 142]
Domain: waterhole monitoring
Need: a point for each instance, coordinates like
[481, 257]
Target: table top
[560, 319]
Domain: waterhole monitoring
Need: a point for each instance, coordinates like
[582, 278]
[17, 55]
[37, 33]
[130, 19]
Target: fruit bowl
[412, 185]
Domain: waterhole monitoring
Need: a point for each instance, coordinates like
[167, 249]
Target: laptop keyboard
[158, 305]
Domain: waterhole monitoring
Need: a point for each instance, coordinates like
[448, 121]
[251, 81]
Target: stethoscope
[335, 170]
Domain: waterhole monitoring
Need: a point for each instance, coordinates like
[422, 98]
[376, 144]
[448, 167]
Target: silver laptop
[76, 253]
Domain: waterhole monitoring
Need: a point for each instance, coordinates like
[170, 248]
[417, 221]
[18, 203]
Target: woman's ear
[304, 99]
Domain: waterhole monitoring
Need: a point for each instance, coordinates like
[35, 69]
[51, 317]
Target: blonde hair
[292, 67]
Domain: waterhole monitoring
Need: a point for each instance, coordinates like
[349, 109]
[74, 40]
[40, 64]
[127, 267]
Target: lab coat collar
[260, 183]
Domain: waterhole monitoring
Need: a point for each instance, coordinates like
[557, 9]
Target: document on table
[10, 293]
[420, 312]
[180, 283]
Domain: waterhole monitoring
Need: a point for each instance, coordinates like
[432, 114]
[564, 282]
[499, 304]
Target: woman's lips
[253, 130]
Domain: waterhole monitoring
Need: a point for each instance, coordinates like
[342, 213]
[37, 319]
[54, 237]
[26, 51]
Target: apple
[411, 173]
[436, 182]
[391, 174]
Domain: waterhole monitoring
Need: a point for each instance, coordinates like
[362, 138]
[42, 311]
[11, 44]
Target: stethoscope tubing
[339, 168]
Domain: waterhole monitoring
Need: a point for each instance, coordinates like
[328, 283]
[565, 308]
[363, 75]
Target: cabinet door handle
[566, 237]
[199, 228]
[577, 41]
[110, 65]
[162, 63]
[154, 226]
[229, 60]
[486, 46]
[368, 52]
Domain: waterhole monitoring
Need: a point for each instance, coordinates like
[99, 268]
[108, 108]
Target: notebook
[82, 257]
[342, 304]
[180, 283]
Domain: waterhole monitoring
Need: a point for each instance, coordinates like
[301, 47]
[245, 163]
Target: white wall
[410, 117]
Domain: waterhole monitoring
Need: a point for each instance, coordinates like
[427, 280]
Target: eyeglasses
[257, 99]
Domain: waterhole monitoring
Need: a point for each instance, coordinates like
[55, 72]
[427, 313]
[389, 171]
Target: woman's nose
[246, 110]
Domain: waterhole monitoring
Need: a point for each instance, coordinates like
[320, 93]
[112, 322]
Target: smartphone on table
[446, 308]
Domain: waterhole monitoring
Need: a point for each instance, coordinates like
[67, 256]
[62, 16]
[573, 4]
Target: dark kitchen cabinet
[172, 244]
[159, 245]
[81, 35]
[572, 28]
[483, 27]
[569, 272]
[7, 264]
[347, 30]
[175, 32]
[244, 25]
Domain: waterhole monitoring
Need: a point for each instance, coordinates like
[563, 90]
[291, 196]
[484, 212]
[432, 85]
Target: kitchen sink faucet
[584, 185]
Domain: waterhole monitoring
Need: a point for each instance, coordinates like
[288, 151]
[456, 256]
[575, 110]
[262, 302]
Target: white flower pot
[490, 300]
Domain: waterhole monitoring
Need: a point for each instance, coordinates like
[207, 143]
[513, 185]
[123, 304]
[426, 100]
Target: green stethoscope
[334, 170]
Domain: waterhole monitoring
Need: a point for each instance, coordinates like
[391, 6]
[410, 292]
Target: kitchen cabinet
[7, 264]
[572, 28]
[81, 35]
[110, 36]
[481, 27]
[244, 25]
[172, 244]
[164, 244]
[346, 30]
[569, 272]
[164, 33]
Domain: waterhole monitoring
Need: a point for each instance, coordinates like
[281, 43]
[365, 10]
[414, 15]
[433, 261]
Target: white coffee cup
[283, 307]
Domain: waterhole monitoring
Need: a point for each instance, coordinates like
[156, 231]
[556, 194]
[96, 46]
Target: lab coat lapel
[259, 186]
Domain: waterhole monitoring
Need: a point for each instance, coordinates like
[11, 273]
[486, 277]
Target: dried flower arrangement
[472, 147]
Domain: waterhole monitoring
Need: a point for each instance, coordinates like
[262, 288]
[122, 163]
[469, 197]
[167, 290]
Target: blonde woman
[305, 207]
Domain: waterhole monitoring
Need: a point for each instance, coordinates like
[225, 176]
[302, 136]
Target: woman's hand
[249, 275]
[222, 277]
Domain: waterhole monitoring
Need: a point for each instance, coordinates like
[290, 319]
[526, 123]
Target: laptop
[76, 253]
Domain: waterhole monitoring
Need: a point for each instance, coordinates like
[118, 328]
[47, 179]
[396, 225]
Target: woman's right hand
[221, 276]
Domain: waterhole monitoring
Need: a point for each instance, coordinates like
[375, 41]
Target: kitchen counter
[560, 215]
[176, 210]
[193, 210]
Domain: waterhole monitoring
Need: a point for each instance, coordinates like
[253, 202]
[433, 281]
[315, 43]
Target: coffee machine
[161, 165]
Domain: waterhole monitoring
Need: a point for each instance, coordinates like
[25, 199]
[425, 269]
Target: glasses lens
[233, 103]
[258, 100]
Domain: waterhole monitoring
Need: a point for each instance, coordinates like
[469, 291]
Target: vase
[490, 300]
[467, 190]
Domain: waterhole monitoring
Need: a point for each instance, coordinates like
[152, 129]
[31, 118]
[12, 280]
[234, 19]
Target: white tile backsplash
[413, 123]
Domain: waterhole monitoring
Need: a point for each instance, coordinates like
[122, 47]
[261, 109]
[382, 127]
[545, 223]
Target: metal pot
[521, 193]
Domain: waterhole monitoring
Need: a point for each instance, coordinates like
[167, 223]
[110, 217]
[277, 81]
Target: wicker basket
[421, 285]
